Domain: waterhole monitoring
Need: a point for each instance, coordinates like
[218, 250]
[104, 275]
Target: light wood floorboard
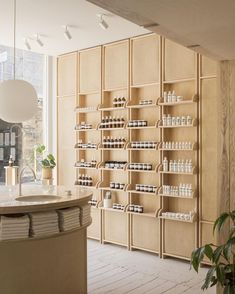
[115, 270]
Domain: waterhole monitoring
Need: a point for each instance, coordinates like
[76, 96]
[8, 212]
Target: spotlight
[39, 41]
[103, 24]
[67, 34]
[26, 43]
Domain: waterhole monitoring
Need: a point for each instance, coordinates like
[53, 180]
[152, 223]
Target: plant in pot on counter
[47, 162]
[222, 258]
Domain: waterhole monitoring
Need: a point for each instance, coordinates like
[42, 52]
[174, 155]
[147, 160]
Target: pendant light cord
[14, 42]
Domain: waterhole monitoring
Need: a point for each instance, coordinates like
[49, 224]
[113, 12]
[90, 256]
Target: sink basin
[38, 198]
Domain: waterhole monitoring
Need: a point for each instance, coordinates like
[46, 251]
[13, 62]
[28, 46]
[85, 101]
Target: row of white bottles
[177, 166]
[181, 190]
[168, 120]
[179, 215]
[171, 97]
[177, 145]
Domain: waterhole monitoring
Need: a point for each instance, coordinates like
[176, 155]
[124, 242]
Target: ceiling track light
[26, 43]
[39, 41]
[103, 24]
[67, 33]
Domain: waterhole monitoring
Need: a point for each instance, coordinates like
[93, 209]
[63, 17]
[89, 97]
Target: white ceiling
[46, 18]
[208, 23]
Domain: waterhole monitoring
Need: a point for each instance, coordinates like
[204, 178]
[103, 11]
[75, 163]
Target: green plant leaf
[227, 251]
[208, 251]
[220, 221]
[209, 278]
[220, 274]
[45, 163]
[217, 254]
[196, 257]
[40, 148]
[50, 157]
[232, 231]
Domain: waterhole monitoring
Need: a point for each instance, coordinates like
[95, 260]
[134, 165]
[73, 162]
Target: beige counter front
[49, 265]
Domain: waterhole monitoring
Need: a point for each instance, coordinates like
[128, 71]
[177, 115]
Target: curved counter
[54, 264]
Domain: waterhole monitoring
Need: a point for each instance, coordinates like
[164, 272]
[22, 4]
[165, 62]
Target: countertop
[9, 204]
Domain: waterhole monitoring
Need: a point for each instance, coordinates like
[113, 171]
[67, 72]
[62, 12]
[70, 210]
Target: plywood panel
[208, 66]
[115, 227]
[90, 70]
[179, 238]
[209, 149]
[116, 65]
[66, 75]
[93, 231]
[145, 232]
[180, 62]
[66, 141]
[145, 59]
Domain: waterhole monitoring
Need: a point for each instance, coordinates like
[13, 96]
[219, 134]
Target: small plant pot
[47, 173]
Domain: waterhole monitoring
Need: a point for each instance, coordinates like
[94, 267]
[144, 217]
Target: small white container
[108, 203]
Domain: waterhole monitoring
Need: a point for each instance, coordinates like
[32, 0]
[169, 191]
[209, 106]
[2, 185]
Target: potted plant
[47, 163]
[222, 270]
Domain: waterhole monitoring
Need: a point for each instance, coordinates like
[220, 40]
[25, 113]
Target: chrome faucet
[20, 177]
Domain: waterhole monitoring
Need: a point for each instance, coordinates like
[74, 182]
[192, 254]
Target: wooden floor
[115, 270]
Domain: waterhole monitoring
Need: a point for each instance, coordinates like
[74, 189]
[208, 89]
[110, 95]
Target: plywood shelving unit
[143, 68]
[89, 95]
[181, 77]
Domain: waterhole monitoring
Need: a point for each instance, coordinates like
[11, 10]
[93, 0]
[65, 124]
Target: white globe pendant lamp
[18, 98]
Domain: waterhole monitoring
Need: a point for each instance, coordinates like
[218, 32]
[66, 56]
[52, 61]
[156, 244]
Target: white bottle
[178, 166]
[173, 97]
[182, 168]
[190, 166]
[176, 145]
[180, 189]
[169, 97]
[190, 192]
[164, 120]
[169, 145]
[175, 166]
[165, 164]
[171, 166]
[186, 166]
[169, 120]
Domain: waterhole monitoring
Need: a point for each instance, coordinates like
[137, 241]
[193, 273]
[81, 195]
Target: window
[19, 140]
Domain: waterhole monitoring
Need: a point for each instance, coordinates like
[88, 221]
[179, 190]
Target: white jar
[108, 203]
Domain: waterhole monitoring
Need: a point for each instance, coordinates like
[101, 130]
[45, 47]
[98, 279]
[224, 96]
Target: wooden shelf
[175, 196]
[100, 147]
[154, 170]
[179, 81]
[101, 167]
[194, 124]
[194, 148]
[140, 192]
[148, 214]
[103, 186]
[128, 147]
[85, 130]
[140, 106]
[87, 187]
[111, 129]
[80, 110]
[194, 172]
[115, 89]
[112, 209]
[92, 168]
[145, 85]
[111, 108]
[183, 102]
[178, 220]
[144, 128]
[89, 93]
